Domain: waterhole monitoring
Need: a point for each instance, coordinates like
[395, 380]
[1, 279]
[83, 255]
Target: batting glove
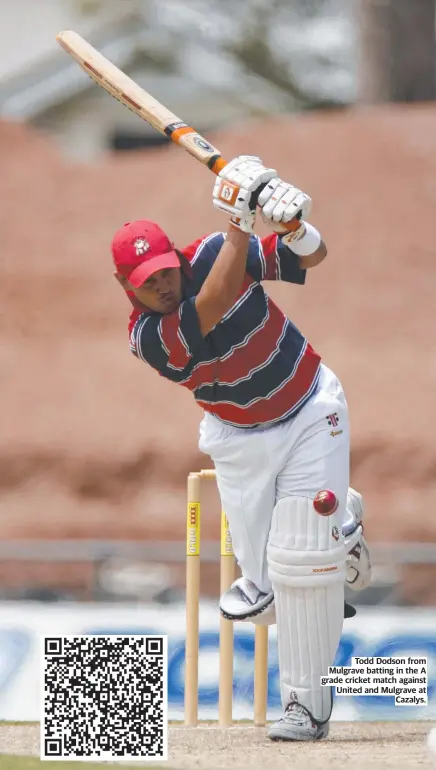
[283, 204]
[237, 187]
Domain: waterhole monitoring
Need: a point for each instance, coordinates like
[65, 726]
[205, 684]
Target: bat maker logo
[200, 142]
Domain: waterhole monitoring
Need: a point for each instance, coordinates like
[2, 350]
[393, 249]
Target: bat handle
[290, 228]
[219, 164]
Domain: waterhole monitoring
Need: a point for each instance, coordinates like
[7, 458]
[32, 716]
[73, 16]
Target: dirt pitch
[350, 746]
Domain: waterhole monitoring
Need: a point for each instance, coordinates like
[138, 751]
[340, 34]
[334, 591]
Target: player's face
[162, 292]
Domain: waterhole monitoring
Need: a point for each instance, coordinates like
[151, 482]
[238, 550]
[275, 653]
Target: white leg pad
[306, 563]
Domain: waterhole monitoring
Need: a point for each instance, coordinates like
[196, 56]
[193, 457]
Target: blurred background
[339, 96]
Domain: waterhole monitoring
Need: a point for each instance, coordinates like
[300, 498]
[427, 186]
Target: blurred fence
[103, 570]
[174, 551]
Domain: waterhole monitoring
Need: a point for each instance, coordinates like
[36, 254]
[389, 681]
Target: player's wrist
[305, 244]
[244, 224]
[236, 233]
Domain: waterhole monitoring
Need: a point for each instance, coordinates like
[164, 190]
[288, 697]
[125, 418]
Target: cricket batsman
[275, 418]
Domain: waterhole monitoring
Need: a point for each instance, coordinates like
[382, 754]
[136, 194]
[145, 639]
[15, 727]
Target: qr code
[104, 697]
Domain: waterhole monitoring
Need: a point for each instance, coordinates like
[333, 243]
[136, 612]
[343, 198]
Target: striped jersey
[254, 368]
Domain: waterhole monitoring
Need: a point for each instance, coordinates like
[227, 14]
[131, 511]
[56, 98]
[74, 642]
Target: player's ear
[122, 280]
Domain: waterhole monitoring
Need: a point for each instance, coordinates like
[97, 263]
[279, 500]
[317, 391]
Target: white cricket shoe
[244, 601]
[298, 724]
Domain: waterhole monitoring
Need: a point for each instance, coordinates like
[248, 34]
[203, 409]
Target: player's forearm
[223, 284]
[228, 272]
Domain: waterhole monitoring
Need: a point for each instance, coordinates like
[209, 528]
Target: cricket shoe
[298, 724]
[244, 601]
[358, 561]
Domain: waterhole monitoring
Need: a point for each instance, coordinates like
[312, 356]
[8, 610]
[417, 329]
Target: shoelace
[296, 714]
[248, 599]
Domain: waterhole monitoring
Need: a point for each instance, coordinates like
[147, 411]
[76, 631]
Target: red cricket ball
[325, 502]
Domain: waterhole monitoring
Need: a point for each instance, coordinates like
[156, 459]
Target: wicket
[226, 649]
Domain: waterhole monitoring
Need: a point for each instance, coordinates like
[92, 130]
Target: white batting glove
[237, 189]
[281, 203]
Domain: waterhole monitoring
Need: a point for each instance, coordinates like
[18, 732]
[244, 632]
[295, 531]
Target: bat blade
[119, 85]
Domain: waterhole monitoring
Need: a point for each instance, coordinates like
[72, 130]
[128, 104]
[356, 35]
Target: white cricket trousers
[257, 468]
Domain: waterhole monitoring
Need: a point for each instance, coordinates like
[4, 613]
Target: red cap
[140, 249]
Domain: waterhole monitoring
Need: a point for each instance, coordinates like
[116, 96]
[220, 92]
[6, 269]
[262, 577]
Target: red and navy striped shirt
[255, 367]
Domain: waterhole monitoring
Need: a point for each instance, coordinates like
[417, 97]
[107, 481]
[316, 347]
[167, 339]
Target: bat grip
[219, 164]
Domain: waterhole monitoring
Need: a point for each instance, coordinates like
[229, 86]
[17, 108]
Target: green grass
[6, 723]
[172, 723]
[9, 762]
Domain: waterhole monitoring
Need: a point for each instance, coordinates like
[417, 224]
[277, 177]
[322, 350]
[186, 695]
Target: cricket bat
[119, 85]
[129, 93]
